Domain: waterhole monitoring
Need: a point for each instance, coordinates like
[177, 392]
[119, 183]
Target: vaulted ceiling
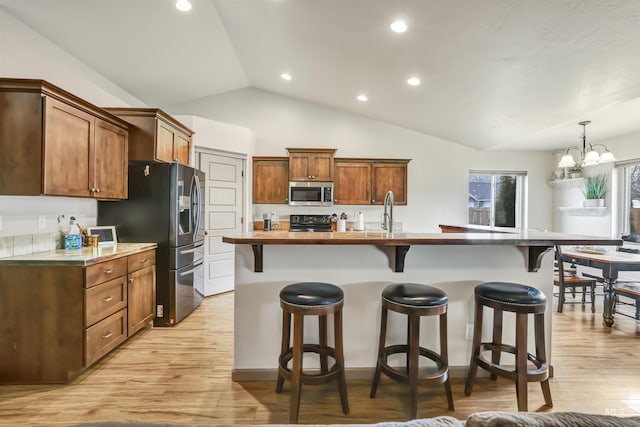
[495, 74]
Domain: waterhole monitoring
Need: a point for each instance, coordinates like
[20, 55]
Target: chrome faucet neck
[387, 218]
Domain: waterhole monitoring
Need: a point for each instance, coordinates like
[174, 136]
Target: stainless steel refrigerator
[165, 206]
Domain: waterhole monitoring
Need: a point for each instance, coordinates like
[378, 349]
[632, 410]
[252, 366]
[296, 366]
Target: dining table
[610, 262]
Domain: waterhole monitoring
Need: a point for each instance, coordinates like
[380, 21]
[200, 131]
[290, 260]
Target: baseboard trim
[242, 375]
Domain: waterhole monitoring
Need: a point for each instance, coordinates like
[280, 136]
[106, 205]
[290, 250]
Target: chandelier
[587, 158]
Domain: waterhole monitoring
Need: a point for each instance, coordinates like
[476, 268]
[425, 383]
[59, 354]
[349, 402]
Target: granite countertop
[84, 257]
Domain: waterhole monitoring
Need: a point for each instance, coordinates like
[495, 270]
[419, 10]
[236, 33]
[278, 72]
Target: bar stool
[521, 300]
[311, 299]
[414, 300]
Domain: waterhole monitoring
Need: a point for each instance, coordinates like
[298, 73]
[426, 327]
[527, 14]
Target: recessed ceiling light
[286, 76]
[413, 81]
[183, 5]
[399, 26]
[363, 98]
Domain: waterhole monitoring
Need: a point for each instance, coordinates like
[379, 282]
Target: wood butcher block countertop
[534, 242]
[84, 257]
[520, 238]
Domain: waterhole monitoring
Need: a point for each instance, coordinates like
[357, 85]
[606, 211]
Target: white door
[224, 208]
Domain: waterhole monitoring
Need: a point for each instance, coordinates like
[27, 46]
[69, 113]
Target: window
[629, 173]
[495, 198]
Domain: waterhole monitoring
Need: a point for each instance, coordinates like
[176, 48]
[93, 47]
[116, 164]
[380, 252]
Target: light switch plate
[42, 222]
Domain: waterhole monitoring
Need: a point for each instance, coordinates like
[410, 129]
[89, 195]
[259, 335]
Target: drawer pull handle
[107, 335]
[107, 299]
[109, 271]
[131, 280]
[142, 261]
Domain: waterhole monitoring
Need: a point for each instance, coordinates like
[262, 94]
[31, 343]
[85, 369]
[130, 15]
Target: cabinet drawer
[105, 299]
[142, 260]
[104, 336]
[104, 271]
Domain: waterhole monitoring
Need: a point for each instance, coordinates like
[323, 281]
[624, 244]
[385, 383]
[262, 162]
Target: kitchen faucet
[387, 218]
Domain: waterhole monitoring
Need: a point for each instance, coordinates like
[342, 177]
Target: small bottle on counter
[73, 237]
[266, 219]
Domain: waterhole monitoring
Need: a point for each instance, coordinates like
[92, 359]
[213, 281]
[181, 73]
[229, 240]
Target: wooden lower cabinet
[60, 319]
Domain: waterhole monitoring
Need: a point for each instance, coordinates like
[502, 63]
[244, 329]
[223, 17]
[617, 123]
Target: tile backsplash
[25, 244]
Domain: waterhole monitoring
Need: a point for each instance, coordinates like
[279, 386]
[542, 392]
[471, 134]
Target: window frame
[623, 171]
[520, 211]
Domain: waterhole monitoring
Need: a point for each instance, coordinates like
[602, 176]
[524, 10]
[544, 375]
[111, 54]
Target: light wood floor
[183, 375]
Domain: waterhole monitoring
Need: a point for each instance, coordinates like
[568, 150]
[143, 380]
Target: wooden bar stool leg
[286, 337]
[342, 380]
[382, 343]
[296, 377]
[593, 298]
[444, 354]
[475, 349]
[413, 354]
[322, 330]
[497, 338]
[521, 360]
[541, 354]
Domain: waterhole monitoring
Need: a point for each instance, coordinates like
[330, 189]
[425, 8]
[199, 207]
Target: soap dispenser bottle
[73, 237]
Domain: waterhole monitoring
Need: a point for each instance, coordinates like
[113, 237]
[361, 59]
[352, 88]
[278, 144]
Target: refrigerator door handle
[195, 203]
[188, 272]
[190, 251]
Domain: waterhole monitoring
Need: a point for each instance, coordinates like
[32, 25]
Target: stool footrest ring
[306, 378]
[439, 376]
[541, 372]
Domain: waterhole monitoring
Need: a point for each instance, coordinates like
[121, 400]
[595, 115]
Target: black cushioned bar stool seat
[311, 299]
[414, 300]
[521, 300]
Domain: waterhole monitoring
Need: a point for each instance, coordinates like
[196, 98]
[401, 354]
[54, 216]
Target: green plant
[595, 187]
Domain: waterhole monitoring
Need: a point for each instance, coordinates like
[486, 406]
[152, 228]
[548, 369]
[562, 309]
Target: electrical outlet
[0, 222]
[159, 310]
[468, 332]
[42, 222]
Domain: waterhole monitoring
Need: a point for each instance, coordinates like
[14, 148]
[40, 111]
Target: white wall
[625, 147]
[437, 188]
[26, 54]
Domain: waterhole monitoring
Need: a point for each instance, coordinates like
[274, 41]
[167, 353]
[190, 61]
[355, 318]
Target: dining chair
[570, 279]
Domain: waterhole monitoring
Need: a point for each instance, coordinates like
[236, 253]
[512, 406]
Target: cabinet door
[320, 166]
[181, 149]
[141, 298]
[353, 183]
[389, 176]
[165, 135]
[67, 140]
[270, 180]
[110, 161]
[299, 167]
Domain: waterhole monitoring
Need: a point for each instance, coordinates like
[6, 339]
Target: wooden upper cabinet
[366, 181]
[311, 164]
[110, 171]
[389, 176]
[270, 180]
[155, 135]
[54, 143]
[352, 184]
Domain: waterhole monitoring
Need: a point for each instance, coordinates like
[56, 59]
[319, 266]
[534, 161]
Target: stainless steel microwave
[309, 193]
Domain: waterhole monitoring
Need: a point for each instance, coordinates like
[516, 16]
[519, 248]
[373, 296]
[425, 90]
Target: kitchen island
[362, 264]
